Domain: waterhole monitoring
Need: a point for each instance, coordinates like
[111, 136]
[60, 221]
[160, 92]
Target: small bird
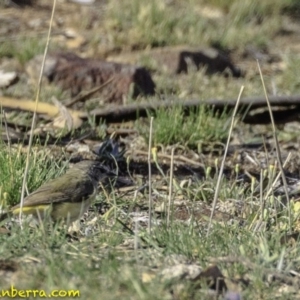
[68, 196]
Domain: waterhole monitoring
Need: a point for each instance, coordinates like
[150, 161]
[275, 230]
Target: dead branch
[287, 108]
[132, 111]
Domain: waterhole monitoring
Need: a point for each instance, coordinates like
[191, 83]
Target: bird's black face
[109, 152]
[99, 172]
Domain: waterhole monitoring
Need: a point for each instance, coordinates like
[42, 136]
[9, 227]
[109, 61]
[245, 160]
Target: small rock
[232, 296]
[83, 1]
[181, 271]
[7, 78]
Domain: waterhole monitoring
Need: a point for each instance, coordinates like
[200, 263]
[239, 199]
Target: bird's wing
[60, 190]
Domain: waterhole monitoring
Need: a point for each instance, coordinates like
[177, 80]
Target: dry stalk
[8, 143]
[223, 160]
[170, 186]
[34, 114]
[150, 175]
[278, 154]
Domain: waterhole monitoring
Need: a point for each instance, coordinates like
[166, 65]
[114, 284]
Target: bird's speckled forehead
[85, 164]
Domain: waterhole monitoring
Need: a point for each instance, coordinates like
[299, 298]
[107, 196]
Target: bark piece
[179, 59]
[77, 74]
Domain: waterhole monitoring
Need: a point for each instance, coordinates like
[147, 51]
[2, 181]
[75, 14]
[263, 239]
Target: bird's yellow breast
[69, 211]
[37, 211]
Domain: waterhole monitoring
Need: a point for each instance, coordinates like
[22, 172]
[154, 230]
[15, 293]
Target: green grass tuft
[42, 168]
[201, 126]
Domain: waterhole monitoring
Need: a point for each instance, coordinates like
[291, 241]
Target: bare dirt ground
[82, 30]
[83, 35]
